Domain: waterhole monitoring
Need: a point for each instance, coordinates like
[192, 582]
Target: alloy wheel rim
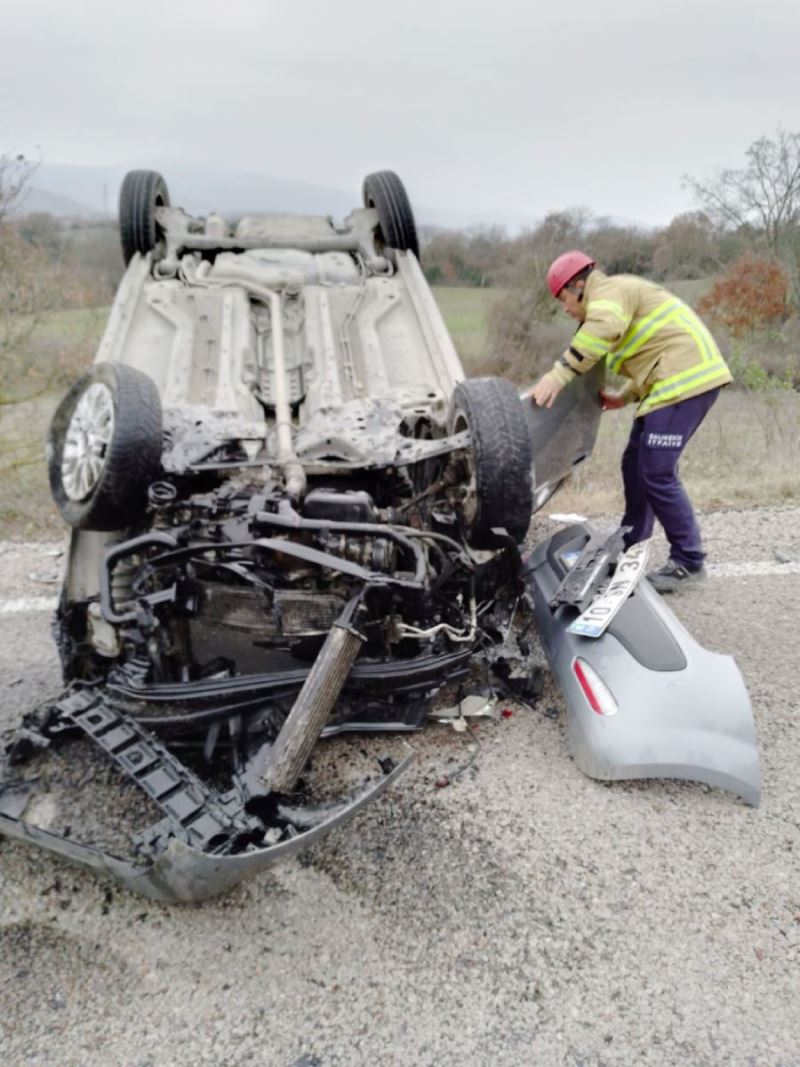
[86, 441]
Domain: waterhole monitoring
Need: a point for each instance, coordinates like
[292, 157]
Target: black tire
[141, 193]
[128, 463]
[384, 191]
[502, 459]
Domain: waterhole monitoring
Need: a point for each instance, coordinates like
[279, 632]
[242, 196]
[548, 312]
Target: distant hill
[92, 192]
[39, 200]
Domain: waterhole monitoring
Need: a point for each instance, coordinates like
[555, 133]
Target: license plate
[630, 567]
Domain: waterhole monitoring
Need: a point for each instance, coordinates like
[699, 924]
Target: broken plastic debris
[506, 713]
[567, 517]
[474, 706]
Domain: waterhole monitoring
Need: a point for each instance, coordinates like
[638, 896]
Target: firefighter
[674, 373]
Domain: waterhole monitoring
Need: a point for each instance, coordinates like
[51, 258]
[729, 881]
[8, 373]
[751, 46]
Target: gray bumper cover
[182, 873]
[682, 711]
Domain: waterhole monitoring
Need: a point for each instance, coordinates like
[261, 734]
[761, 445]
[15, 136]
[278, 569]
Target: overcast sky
[497, 108]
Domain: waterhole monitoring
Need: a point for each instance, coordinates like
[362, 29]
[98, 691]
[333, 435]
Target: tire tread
[138, 196]
[386, 192]
[502, 457]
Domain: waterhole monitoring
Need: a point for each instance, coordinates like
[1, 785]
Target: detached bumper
[183, 873]
[677, 710]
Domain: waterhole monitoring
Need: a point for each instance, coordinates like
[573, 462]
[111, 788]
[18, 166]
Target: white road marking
[27, 603]
[747, 570]
[48, 547]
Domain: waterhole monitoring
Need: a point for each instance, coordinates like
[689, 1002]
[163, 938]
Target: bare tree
[32, 282]
[689, 247]
[473, 257]
[764, 195]
[15, 174]
[621, 249]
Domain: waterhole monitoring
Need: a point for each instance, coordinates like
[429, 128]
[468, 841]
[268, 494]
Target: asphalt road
[523, 915]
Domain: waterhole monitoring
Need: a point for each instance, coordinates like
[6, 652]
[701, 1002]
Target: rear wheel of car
[384, 191]
[499, 492]
[104, 447]
[141, 194]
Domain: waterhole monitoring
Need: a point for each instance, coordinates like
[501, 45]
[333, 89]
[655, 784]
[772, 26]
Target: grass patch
[466, 313]
[72, 325]
[53, 354]
[690, 290]
[26, 508]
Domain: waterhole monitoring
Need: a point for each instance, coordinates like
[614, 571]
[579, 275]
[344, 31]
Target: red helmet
[564, 269]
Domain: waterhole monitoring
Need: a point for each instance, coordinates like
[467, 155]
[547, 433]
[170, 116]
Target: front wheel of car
[384, 191]
[498, 492]
[142, 193]
[104, 447]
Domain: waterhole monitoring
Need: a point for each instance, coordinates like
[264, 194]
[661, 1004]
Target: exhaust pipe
[293, 470]
[287, 459]
[314, 703]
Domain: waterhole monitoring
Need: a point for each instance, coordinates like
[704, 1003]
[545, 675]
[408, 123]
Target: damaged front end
[211, 653]
[175, 860]
[291, 518]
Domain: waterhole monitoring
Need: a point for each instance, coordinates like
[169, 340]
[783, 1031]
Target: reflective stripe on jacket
[647, 335]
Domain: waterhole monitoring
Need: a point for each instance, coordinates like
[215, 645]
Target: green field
[71, 326]
[48, 354]
[691, 290]
[466, 312]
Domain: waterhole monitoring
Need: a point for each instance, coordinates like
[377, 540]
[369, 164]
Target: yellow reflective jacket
[649, 336]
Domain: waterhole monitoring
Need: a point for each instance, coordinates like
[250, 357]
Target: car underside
[291, 516]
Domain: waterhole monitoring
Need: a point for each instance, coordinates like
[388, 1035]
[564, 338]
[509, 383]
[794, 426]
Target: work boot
[674, 576]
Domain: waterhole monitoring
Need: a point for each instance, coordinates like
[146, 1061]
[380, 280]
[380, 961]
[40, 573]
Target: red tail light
[594, 688]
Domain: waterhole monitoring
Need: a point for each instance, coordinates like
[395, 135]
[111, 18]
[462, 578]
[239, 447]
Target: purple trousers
[653, 489]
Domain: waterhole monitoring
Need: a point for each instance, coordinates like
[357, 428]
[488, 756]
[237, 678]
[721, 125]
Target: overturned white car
[291, 516]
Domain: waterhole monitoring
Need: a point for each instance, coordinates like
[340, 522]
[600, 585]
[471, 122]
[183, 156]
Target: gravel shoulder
[525, 914]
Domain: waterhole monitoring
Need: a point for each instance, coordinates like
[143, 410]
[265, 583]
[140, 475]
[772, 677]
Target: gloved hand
[612, 401]
[545, 391]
